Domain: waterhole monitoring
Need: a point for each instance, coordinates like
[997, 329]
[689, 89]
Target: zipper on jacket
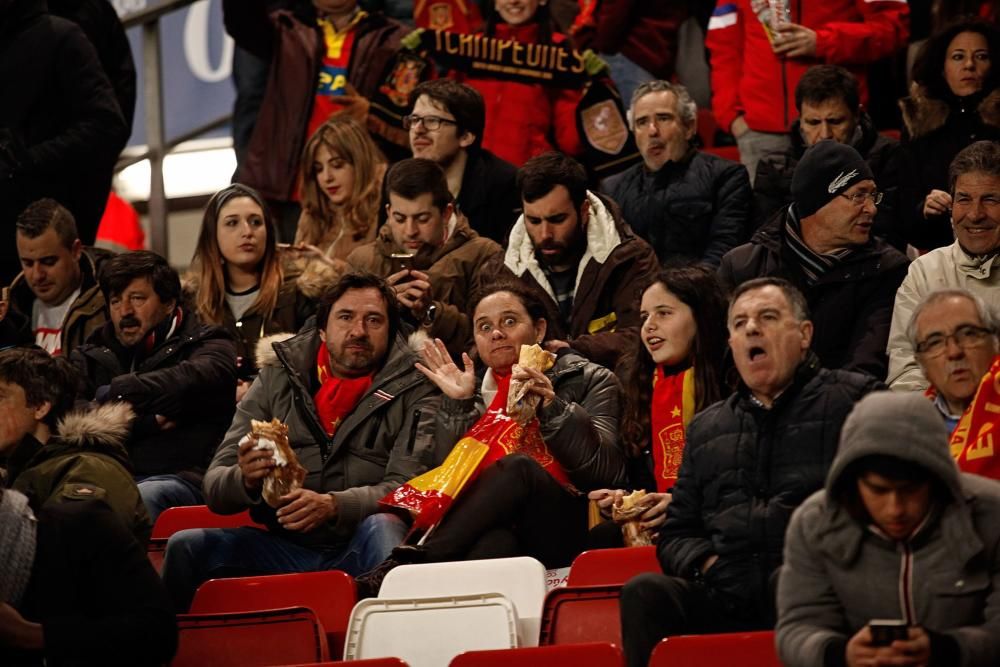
[906, 585]
[413, 432]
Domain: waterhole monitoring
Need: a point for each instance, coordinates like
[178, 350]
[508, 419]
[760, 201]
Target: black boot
[370, 582]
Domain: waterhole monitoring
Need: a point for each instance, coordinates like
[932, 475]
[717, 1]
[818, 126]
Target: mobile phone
[886, 631]
[401, 261]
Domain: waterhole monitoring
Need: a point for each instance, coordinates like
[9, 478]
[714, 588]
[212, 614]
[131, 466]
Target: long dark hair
[698, 288]
[928, 69]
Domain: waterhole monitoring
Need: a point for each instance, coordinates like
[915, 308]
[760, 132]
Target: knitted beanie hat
[825, 171]
[17, 545]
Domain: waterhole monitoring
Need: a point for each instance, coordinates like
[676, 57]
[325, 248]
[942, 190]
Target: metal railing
[157, 145]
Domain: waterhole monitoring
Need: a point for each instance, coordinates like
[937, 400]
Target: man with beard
[360, 419]
[971, 263]
[822, 244]
[573, 245]
[433, 259]
[178, 375]
[689, 205]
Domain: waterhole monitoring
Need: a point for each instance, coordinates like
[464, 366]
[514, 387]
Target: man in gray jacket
[898, 534]
[360, 419]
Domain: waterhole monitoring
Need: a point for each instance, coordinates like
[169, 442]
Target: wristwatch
[429, 316]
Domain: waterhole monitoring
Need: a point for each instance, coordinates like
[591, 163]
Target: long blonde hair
[349, 140]
[208, 273]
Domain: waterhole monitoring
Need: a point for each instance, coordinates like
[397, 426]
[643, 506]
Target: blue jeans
[197, 555]
[160, 492]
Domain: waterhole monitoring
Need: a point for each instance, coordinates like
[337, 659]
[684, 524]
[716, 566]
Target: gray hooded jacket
[839, 573]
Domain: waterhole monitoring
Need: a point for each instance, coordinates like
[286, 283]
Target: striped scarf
[17, 546]
[813, 264]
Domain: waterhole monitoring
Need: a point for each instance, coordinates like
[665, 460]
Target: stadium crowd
[508, 223]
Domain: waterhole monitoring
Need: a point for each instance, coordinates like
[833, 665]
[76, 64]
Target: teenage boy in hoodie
[898, 533]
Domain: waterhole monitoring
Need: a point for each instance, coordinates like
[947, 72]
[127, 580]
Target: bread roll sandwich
[627, 516]
[521, 406]
[287, 475]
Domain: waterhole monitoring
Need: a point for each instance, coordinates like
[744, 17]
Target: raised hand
[441, 370]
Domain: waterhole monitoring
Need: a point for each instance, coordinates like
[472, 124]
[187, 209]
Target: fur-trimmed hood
[603, 237]
[923, 114]
[266, 356]
[106, 426]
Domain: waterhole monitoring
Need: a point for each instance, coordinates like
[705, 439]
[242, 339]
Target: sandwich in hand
[627, 516]
[287, 474]
[521, 405]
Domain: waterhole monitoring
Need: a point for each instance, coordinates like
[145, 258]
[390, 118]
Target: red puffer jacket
[524, 120]
[748, 79]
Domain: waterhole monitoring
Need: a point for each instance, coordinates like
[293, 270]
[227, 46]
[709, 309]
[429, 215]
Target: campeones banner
[549, 64]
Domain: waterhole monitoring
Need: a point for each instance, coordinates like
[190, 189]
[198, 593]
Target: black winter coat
[60, 126]
[489, 196]
[850, 307]
[939, 129]
[189, 378]
[772, 185]
[92, 588]
[696, 209]
[745, 470]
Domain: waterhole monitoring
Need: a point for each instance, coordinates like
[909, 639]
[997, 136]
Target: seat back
[522, 580]
[594, 654]
[600, 567]
[250, 639]
[429, 632]
[580, 614]
[746, 649]
[330, 593]
[372, 662]
[175, 519]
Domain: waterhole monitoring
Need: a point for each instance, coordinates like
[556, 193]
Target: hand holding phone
[886, 631]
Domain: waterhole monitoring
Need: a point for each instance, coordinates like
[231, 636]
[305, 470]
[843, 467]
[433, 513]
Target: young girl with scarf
[675, 371]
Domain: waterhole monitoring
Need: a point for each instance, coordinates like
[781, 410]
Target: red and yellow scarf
[671, 409]
[972, 441]
[336, 397]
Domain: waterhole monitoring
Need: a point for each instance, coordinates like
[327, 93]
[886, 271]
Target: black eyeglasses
[964, 336]
[429, 122]
[858, 198]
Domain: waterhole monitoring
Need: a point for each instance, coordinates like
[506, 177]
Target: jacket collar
[603, 237]
[975, 266]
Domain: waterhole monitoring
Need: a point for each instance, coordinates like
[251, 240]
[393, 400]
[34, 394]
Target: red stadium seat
[570, 655]
[746, 649]
[331, 594]
[612, 566]
[176, 519]
[250, 639]
[581, 614]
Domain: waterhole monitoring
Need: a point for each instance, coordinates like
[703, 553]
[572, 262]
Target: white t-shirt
[47, 323]
[240, 303]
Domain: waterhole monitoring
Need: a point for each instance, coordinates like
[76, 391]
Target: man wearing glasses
[822, 243]
[954, 334]
[970, 263]
[446, 124]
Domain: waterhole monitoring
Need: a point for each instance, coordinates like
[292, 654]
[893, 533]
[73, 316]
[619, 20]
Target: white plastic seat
[429, 632]
[521, 579]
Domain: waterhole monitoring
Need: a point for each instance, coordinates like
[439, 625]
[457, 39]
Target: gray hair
[986, 315]
[686, 107]
[796, 300]
[982, 157]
